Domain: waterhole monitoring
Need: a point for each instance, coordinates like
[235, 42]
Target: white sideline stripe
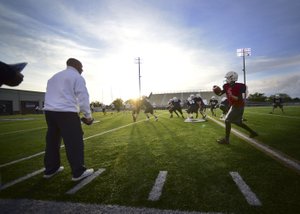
[21, 179]
[268, 150]
[85, 181]
[245, 189]
[23, 130]
[112, 130]
[40, 153]
[155, 193]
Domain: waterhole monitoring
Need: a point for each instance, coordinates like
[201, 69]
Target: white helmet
[198, 95]
[192, 96]
[277, 96]
[213, 97]
[175, 99]
[231, 76]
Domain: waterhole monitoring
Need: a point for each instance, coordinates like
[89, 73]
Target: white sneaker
[85, 174]
[61, 168]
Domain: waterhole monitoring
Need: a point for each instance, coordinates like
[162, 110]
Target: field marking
[22, 159]
[156, 191]
[21, 179]
[39, 206]
[85, 181]
[279, 156]
[16, 119]
[23, 130]
[276, 115]
[245, 189]
[96, 135]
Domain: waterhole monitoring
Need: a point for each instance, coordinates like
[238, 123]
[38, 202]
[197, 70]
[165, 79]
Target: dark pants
[66, 126]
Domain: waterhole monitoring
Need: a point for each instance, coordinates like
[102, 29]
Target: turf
[134, 153]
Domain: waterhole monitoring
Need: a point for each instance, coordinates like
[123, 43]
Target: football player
[213, 102]
[236, 94]
[170, 107]
[277, 102]
[148, 108]
[136, 107]
[177, 106]
[192, 106]
[201, 105]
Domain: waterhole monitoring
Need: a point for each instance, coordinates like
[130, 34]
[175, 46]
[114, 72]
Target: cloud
[107, 36]
[284, 83]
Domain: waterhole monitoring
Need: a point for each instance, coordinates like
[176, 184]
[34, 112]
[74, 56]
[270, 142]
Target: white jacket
[67, 92]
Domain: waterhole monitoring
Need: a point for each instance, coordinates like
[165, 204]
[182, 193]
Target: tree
[118, 103]
[257, 97]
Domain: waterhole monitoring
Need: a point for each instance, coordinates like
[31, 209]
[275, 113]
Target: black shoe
[253, 134]
[223, 141]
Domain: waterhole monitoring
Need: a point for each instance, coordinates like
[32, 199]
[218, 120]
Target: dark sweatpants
[66, 126]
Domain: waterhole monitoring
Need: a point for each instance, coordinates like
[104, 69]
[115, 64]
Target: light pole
[244, 52]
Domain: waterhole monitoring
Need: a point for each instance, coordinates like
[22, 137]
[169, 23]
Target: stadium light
[244, 52]
[138, 61]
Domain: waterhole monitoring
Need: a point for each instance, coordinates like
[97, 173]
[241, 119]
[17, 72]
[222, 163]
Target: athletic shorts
[235, 114]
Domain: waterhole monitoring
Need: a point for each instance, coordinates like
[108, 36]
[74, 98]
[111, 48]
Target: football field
[163, 165]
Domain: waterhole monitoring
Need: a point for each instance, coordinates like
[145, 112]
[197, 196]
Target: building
[14, 101]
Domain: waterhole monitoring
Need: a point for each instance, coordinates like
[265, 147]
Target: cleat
[223, 141]
[254, 134]
[85, 174]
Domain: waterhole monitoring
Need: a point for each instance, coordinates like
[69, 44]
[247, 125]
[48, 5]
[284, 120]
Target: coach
[66, 96]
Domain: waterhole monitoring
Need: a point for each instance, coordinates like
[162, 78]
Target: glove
[87, 121]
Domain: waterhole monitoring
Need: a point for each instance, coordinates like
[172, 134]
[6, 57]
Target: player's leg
[176, 112]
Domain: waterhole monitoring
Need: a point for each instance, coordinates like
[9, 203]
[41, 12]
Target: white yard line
[23, 130]
[266, 149]
[156, 191]
[245, 189]
[96, 135]
[22, 159]
[21, 179]
[85, 181]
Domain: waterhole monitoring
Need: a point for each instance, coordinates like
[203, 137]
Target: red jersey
[236, 89]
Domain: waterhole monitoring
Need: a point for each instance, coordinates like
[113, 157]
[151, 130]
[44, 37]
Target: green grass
[198, 168]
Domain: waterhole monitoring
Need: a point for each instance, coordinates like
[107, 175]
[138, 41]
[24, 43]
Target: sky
[184, 45]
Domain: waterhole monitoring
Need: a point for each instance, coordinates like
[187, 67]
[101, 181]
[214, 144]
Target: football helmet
[213, 97]
[192, 96]
[277, 96]
[198, 95]
[175, 99]
[231, 76]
